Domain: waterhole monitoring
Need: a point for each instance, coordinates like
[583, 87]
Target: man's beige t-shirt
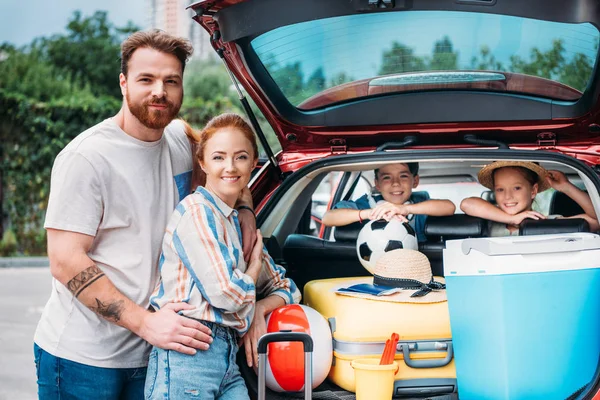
[122, 191]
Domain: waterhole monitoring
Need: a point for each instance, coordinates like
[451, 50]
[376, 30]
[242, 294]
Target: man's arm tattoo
[110, 311]
[84, 279]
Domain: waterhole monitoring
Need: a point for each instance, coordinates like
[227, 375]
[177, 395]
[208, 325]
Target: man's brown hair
[157, 40]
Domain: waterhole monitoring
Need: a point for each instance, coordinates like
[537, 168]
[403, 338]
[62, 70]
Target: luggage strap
[422, 288]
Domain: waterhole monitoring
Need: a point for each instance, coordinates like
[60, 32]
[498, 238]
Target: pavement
[21, 262]
[23, 294]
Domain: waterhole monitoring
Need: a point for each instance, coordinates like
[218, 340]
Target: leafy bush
[32, 134]
[8, 244]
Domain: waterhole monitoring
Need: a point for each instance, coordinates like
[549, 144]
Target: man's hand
[248, 225]
[250, 339]
[518, 218]
[387, 211]
[170, 331]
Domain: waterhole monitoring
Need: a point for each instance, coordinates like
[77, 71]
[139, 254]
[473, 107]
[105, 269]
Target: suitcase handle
[426, 363]
[284, 336]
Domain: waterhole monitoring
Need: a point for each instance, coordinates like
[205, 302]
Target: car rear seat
[553, 226]
[308, 257]
[489, 196]
[564, 205]
[440, 229]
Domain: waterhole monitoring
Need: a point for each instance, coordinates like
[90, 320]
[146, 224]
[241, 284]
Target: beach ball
[285, 360]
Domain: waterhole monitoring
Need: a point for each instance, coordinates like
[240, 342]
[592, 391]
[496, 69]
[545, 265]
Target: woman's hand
[250, 339]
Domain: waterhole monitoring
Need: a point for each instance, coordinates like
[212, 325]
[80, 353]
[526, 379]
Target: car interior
[310, 251]
[350, 86]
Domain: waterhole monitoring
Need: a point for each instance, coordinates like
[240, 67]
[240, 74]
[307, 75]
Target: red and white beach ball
[285, 360]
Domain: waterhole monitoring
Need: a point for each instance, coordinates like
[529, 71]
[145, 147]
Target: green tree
[31, 135]
[486, 61]
[290, 80]
[27, 72]
[444, 58]
[400, 58]
[544, 64]
[340, 78]
[552, 64]
[315, 83]
[577, 72]
[207, 79]
[90, 51]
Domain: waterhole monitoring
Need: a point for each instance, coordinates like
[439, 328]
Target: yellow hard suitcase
[361, 326]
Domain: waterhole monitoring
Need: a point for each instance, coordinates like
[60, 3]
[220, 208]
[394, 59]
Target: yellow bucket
[374, 381]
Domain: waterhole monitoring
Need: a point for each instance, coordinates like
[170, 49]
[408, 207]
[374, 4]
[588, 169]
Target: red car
[348, 86]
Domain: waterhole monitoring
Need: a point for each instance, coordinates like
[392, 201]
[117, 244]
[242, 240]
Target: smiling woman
[202, 263]
[227, 153]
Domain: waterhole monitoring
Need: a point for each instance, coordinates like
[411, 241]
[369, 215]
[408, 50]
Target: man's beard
[153, 119]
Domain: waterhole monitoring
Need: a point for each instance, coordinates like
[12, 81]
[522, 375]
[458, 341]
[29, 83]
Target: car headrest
[489, 196]
[562, 204]
[552, 226]
[457, 226]
[348, 233]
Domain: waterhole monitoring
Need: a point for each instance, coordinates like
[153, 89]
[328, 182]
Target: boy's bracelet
[359, 218]
[247, 208]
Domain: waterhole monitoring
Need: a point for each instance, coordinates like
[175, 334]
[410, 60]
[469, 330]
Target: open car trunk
[315, 262]
[441, 82]
[361, 73]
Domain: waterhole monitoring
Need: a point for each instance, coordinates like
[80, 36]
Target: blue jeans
[58, 378]
[209, 374]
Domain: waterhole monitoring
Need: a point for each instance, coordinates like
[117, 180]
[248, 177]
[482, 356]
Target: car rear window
[321, 62]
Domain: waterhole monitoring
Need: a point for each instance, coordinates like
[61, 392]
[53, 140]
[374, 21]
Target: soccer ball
[381, 236]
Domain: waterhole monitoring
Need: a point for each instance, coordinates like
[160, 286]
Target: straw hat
[486, 174]
[408, 270]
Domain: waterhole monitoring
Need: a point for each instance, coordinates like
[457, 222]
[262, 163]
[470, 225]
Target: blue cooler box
[524, 314]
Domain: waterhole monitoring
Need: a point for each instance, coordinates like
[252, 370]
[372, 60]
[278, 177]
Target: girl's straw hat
[408, 271]
[486, 174]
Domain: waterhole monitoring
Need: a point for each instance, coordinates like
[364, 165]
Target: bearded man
[113, 189]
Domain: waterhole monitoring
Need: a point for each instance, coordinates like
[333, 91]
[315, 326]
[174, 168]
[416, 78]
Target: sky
[23, 20]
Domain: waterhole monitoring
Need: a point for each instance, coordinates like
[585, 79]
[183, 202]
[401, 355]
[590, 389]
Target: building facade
[172, 17]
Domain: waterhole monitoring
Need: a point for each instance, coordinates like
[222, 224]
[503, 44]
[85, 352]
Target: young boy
[395, 182]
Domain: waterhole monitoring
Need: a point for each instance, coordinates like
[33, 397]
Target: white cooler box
[524, 314]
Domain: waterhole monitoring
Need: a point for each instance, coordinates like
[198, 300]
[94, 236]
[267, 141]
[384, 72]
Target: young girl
[202, 264]
[515, 185]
